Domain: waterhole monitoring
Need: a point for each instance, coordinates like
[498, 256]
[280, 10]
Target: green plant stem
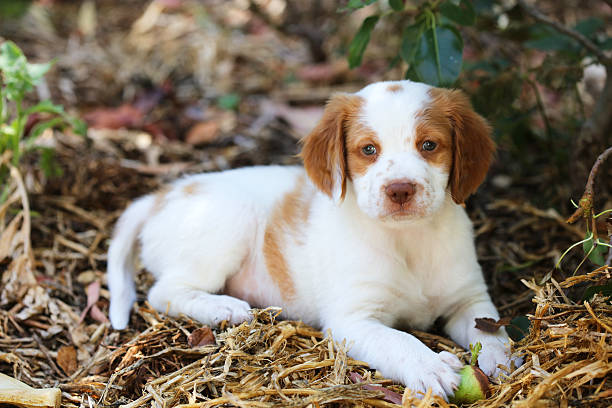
[436, 47]
[590, 237]
[20, 131]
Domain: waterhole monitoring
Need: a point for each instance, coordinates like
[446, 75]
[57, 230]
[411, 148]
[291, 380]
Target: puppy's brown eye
[428, 145]
[369, 150]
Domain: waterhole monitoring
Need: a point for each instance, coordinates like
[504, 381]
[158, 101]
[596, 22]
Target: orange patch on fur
[190, 189]
[323, 150]
[358, 136]
[433, 125]
[284, 224]
[472, 146]
[394, 88]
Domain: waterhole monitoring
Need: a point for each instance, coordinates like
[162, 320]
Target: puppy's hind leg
[207, 308]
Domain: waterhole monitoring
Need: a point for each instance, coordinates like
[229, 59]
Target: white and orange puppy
[369, 236]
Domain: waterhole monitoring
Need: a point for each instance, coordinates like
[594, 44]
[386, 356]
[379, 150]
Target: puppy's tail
[121, 253]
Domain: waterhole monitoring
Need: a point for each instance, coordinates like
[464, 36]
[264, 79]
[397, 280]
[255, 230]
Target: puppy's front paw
[229, 308]
[438, 371]
[496, 351]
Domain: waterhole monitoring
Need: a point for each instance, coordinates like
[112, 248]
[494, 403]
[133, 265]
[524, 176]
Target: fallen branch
[585, 205]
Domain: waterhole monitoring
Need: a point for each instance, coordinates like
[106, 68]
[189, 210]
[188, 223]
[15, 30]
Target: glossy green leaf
[397, 5]
[410, 42]
[439, 56]
[360, 42]
[518, 327]
[597, 255]
[462, 13]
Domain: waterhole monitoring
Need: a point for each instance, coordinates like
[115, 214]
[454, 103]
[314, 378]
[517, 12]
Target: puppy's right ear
[323, 150]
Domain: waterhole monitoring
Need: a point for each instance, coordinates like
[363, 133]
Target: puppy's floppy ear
[473, 148]
[323, 150]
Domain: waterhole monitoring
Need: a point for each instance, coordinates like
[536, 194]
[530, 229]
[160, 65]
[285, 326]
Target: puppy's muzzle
[400, 193]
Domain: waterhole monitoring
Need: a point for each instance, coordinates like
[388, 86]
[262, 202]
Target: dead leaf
[488, 325]
[97, 314]
[203, 132]
[67, 359]
[390, 396]
[202, 336]
[124, 116]
[93, 294]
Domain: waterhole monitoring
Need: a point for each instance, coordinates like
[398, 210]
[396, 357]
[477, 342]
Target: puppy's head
[401, 147]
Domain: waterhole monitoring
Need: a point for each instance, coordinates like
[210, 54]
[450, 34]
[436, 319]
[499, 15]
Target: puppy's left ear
[473, 148]
[324, 151]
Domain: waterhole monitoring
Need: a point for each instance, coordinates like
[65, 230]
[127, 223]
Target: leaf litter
[54, 301]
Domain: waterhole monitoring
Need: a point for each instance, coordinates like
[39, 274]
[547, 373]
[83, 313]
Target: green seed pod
[474, 386]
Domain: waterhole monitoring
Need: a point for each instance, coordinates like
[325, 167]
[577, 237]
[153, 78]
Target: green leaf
[10, 54]
[605, 290]
[411, 38]
[48, 164]
[37, 71]
[546, 38]
[14, 8]
[360, 42]
[397, 5]
[78, 126]
[228, 101]
[39, 128]
[518, 327]
[45, 107]
[475, 350]
[598, 254]
[589, 26]
[606, 44]
[462, 14]
[441, 65]
[357, 4]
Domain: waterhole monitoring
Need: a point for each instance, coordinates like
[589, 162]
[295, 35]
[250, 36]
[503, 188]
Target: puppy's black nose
[400, 193]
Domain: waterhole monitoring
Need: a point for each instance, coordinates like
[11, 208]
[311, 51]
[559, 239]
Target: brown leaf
[389, 395]
[203, 132]
[202, 336]
[124, 116]
[67, 359]
[488, 325]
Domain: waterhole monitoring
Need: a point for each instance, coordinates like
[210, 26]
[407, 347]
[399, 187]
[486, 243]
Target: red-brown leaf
[124, 116]
[488, 325]
[67, 359]
[201, 337]
[389, 395]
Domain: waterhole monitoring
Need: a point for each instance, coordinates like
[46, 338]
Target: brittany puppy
[368, 236]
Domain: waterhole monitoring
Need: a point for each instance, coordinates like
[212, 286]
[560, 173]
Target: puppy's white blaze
[388, 113]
